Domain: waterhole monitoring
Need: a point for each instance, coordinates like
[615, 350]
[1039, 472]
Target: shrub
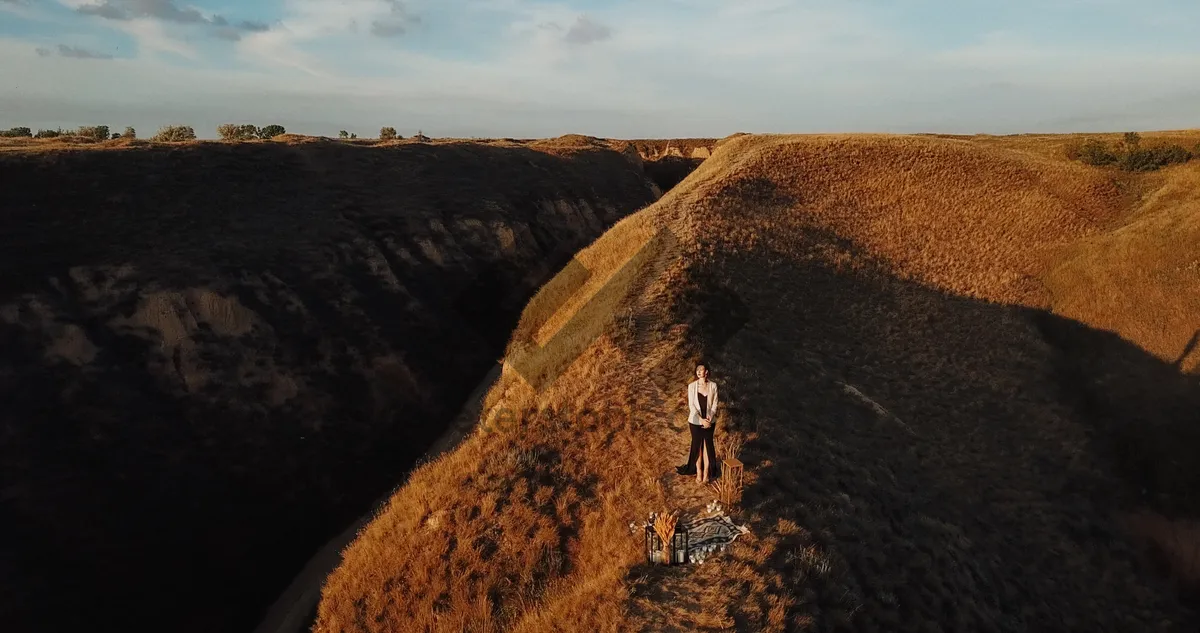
[1129, 155]
[353, 136]
[17, 132]
[129, 133]
[235, 132]
[1096, 153]
[1153, 158]
[387, 133]
[174, 133]
[343, 134]
[271, 131]
[49, 133]
[97, 132]
[116, 135]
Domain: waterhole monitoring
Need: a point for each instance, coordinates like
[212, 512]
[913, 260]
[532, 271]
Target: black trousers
[702, 439]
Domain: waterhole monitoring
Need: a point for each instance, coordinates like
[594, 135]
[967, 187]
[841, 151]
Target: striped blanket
[711, 534]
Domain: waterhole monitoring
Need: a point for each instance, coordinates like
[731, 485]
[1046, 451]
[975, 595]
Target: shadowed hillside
[668, 171]
[945, 423]
[216, 356]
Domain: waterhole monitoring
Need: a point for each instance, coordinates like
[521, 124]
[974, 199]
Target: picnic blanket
[711, 534]
[714, 530]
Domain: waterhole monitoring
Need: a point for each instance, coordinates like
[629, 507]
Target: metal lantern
[679, 545]
[654, 548]
[657, 554]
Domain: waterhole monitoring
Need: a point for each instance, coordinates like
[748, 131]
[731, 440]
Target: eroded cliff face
[215, 356]
[655, 149]
[668, 161]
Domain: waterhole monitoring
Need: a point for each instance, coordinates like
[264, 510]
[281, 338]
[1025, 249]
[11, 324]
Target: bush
[1153, 158]
[17, 132]
[174, 133]
[97, 132]
[271, 131]
[129, 133]
[235, 132]
[1096, 153]
[49, 133]
[1129, 155]
[116, 135]
[353, 136]
[387, 134]
[343, 134]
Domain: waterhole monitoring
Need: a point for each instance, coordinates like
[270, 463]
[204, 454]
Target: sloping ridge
[929, 445]
[216, 356]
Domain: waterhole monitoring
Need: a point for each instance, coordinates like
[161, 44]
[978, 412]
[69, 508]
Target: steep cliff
[216, 356]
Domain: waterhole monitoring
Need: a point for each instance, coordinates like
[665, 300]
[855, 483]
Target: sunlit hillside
[958, 367]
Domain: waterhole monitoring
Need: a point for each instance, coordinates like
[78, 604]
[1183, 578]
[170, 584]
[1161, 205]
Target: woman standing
[702, 407]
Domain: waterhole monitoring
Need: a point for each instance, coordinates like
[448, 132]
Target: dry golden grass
[1053, 145]
[27, 144]
[972, 482]
[541, 522]
[976, 222]
[1141, 278]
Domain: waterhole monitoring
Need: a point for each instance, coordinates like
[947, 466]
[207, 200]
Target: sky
[618, 69]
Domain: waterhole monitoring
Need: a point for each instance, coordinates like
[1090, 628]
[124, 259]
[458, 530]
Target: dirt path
[296, 608]
[666, 593]
[669, 592]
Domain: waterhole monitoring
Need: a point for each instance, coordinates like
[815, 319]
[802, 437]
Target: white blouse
[694, 402]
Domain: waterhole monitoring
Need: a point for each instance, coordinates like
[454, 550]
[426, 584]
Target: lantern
[654, 548]
[679, 546]
[675, 554]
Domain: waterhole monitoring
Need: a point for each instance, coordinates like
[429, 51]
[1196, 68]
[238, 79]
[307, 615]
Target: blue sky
[625, 68]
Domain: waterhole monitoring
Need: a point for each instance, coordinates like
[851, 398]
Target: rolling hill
[958, 365]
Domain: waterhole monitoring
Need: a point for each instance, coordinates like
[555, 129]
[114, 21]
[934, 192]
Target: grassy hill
[957, 367]
[218, 355]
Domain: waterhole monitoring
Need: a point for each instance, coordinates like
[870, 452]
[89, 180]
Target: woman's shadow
[1187, 350]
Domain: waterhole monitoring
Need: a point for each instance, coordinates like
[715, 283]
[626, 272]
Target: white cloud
[153, 36]
[280, 48]
[662, 67]
[307, 21]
